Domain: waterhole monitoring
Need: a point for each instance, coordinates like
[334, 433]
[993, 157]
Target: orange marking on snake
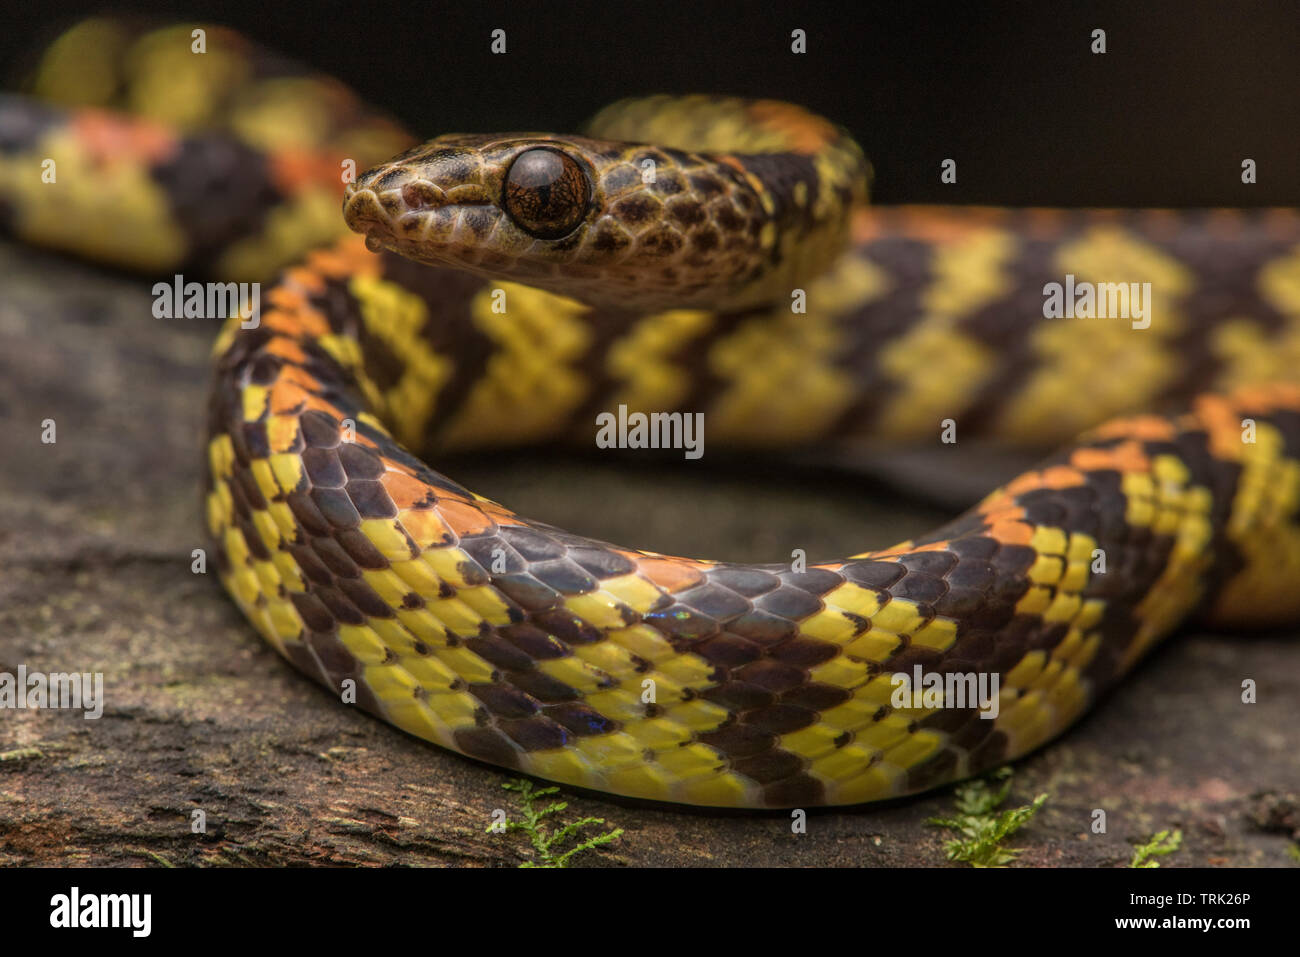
[406, 491]
[113, 139]
[931, 547]
[864, 225]
[300, 278]
[803, 133]
[734, 163]
[1126, 457]
[392, 466]
[287, 398]
[498, 513]
[302, 320]
[345, 259]
[462, 518]
[286, 348]
[934, 225]
[1058, 476]
[671, 574]
[294, 401]
[1149, 427]
[286, 295]
[1269, 396]
[292, 170]
[1006, 519]
[300, 377]
[1222, 421]
[1012, 531]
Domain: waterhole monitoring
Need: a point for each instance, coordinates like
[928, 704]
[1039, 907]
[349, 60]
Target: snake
[685, 254]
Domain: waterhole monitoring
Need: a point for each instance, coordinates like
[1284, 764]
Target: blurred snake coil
[651, 263]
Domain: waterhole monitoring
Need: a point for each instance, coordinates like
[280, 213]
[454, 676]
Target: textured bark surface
[95, 538]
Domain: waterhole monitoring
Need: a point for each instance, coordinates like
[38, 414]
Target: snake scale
[516, 285]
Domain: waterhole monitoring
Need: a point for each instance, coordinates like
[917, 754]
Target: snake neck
[809, 175]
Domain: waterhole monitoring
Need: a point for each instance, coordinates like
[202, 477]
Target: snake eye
[546, 193]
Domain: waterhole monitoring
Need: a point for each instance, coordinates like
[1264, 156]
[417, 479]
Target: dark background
[1009, 90]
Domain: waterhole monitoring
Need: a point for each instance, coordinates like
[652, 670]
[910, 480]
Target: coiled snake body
[652, 264]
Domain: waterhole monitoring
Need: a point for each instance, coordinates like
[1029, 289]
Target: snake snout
[364, 212]
[402, 202]
[380, 196]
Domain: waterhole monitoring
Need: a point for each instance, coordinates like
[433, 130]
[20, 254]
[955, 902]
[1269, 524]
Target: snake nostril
[421, 195]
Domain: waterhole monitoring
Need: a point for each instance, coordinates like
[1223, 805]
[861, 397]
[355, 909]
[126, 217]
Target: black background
[1009, 90]
[317, 910]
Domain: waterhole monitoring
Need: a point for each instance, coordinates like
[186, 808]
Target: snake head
[513, 207]
[609, 223]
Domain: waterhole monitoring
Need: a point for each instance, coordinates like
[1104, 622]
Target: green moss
[153, 856]
[21, 754]
[547, 843]
[981, 826]
[1160, 844]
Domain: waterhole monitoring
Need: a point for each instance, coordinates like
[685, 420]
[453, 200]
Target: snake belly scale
[651, 262]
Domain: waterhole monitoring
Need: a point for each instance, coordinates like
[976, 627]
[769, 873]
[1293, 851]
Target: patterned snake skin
[641, 674]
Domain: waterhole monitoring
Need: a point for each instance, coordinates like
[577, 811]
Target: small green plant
[546, 842]
[1161, 843]
[982, 826]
